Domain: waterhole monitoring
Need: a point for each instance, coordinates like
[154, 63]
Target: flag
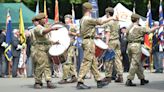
[73, 15]
[149, 24]
[95, 13]
[8, 53]
[37, 8]
[161, 32]
[21, 27]
[45, 11]
[56, 17]
[160, 13]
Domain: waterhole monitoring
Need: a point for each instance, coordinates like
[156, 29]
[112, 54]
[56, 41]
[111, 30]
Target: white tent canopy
[124, 15]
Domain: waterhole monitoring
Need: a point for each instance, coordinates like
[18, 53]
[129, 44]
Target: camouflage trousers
[69, 66]
[41, 63]
[89, 61]
[134, 52]
[115, 45]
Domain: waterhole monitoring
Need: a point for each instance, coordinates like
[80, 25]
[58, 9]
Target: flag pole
[134, 7]
[151, 56]
[9, 62]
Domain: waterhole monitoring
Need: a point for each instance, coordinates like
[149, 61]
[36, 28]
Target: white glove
[19, 47]
[4, 44]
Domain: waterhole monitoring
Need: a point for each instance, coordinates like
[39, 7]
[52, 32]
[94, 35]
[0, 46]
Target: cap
[68, 16]
[87, 5]
[135, 16]
[40, 16]
[109, 9]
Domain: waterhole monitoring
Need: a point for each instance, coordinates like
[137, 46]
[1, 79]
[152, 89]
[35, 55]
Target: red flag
[149, 22]
[56, 18]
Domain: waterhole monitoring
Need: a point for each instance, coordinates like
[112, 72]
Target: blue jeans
[3, 65]
[158, 60]
[79, 58]
[29, 67]
[160, 56]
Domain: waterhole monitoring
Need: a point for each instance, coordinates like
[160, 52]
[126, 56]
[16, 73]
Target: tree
[65, 6]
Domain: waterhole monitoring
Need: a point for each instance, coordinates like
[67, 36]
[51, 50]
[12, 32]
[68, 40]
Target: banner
[8, 53]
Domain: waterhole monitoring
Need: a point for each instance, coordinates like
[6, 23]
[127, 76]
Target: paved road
[26, 85]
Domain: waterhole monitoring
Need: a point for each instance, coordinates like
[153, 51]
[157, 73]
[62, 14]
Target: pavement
[26, 85]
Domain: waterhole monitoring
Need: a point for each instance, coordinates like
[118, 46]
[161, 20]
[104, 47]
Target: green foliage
[76, 1]
[65, 6]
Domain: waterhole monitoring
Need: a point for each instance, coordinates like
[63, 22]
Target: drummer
[69, 66]
[87, 28]
[40, 46]
[135, 35]
[112, 39]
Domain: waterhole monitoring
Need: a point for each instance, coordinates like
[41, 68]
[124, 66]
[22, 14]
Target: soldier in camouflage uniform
[112, 39]
[69, 66]
[135, 37]
[39, 49]
[87, 28]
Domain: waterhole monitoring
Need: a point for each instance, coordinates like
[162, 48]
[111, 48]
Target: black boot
[107, 80]
[143, 82]
[81, 85]
[119, 79]
[50, 85]
[129, 83]
[74, 79]
[37, 86]
[101, 84]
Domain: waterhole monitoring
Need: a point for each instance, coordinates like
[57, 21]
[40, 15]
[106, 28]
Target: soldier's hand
[78, 34]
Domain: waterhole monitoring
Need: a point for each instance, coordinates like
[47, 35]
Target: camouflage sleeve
[145, 30]
[39, 30]
[94, 22]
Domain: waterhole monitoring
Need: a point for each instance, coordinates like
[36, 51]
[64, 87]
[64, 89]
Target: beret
[135, 16]
[109, 9]
[87, 5]
[40, 16]
[68, 16]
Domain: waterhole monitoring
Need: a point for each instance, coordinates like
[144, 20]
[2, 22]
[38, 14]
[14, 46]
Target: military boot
[50, 85]
[74, 79]
[119, 79]
[143, 82]
[37, 86]
[81, 85]
[101, 84]
[129, 83]
[107, 80]
[64, 81]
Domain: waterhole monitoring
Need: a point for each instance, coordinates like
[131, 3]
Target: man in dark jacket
[3, 62]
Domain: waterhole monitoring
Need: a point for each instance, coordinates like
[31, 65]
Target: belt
[42, 43]
[89, 37]
[134, 41]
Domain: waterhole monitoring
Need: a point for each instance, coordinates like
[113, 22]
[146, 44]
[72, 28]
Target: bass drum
[100, 47]
[145, 50]
[62, 41]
